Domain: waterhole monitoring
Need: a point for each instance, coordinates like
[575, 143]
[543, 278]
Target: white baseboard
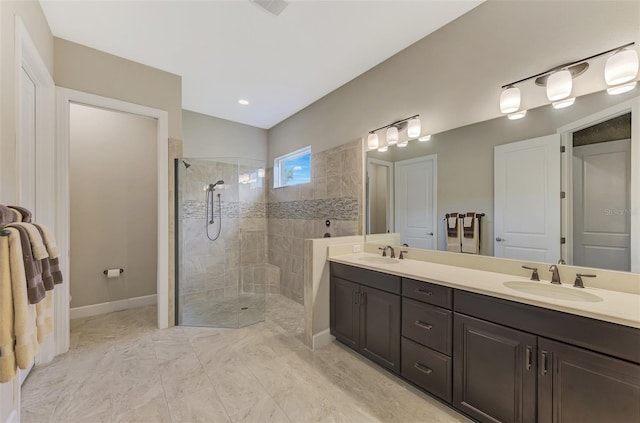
[323, 338]
[103, 308]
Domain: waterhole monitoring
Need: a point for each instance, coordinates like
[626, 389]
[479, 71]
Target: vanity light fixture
[620, 72]
[412, 124]
[425, 138]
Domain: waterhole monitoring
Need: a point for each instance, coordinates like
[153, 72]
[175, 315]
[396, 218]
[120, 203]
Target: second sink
[546, 290]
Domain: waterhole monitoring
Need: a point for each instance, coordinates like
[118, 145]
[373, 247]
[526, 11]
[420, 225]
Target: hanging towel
[52, 249]
[32, 268]
[7, 353]
[24, 213]
[47, 277]
[7, 216]
[453, 231]
[24, 324]
[44, 317]
[37, 245]
[471, 236]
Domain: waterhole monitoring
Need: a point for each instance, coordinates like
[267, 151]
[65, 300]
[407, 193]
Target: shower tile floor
[241, 311]
[120, 368]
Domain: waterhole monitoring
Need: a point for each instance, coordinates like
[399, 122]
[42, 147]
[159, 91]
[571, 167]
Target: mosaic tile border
[342, 208]
[195, 209]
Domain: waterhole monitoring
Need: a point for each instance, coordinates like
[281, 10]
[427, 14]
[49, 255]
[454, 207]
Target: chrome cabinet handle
[423, 325]
[423, 369]
[544, 363]
[423, 291]
[529, 350]
[500, 239]
[430, 233]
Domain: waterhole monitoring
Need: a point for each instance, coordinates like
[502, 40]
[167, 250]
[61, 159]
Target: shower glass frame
[220, 283]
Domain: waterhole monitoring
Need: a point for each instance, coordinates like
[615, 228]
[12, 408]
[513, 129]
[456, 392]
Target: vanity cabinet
[494, 371]
[365, 318]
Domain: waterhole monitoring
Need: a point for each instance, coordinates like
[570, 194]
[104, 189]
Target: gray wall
[453, 76]
[85, 69]
[113, 180]
[208, 136]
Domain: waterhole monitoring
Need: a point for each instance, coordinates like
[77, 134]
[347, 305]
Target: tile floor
[122, 369]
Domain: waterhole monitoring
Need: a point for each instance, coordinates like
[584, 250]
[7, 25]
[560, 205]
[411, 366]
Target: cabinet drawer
[426, 368]
[427, 324]
[381, 281]
[427, 292]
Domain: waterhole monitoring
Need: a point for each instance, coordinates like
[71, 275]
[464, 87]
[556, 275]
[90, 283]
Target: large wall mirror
[556, 185]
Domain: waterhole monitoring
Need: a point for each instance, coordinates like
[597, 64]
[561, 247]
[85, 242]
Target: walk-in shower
[221, 239]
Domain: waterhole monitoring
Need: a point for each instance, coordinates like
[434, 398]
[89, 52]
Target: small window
[293, 168]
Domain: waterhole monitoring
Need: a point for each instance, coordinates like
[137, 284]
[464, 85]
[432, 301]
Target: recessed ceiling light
[243, 102]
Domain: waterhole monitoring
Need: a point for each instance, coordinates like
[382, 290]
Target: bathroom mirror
[596, 223]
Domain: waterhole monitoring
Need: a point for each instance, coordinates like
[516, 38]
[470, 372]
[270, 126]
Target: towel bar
[5, 232]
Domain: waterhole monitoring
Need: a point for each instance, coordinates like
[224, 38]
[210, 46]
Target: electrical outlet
[356, 248]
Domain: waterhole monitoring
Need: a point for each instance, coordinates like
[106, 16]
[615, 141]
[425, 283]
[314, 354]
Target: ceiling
[231, 50]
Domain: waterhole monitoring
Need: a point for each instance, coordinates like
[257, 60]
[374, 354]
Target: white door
[27, 142]
[527, 199]
[601, 205]
[415, 201]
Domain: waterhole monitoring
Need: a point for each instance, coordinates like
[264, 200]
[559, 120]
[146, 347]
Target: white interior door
[527, 199]
[601, 205]
[415, 201]
[27, 142]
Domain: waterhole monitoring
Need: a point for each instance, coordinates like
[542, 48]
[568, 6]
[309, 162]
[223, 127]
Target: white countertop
[615, 307]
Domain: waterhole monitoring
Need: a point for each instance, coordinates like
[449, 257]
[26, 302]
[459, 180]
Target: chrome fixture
[534, 275]
[578, 282]
[402, 253]
[209, 210]
[414, 131]
[620, 72]
[555, 275]
[384, 251]
[186, 165]
[393, 253]
[561, 261]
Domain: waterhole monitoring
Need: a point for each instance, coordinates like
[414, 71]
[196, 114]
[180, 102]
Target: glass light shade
[414, 127]
[564, 103]
[559, 85]
[403, 143]
[619, 89]
[510, 100]
[392, 135]
[425, 138]
[261, 173]
[517, 115]
[372, 141]
[621, 67]
[383, 148]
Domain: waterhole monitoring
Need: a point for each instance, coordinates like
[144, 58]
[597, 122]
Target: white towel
[453, 243]
[471, 245]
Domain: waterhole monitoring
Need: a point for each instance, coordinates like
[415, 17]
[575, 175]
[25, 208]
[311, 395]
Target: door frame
[566, 184]
[64, 98]
[433, 157]
[390, 194]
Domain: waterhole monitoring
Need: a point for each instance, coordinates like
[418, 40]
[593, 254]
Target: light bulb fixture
[620, 72]
[510, 99]
[559, 85]
[517, 115]
[392, 135]
[261, 172]
[563, 103]
[425, 138]
[621, 67]
[623, 88]
[372, 141]
[414, 127]
[243, 102]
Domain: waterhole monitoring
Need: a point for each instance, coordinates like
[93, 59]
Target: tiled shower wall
[235, 263]
[297, 212]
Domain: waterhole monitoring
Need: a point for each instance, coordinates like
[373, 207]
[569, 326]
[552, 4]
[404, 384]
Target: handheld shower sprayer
[209, 208]
[211, 187]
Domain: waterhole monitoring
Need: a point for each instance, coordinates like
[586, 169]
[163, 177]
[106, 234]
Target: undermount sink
[545, 289]
[380, 260]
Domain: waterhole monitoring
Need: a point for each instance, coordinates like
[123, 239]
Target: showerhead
[186, 165]
[219, 182]
[211, 187]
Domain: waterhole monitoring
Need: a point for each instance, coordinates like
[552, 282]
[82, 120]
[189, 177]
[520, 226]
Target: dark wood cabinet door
[380, 327]
[577, 385]
[345, 311]
[494, 371]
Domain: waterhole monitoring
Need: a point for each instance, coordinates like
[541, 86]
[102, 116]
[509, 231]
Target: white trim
[566, 131]
[13, 417]
[390, 193]
[66, 96]
[322, 339]
[104, 308]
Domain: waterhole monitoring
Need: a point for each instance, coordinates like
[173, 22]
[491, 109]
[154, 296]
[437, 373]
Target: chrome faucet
[578, 282]
[555, 275]
[393, 253]
[402, 253]
[384, 251]
[534, 275]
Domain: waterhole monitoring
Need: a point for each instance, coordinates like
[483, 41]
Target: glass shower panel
[218, 284]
